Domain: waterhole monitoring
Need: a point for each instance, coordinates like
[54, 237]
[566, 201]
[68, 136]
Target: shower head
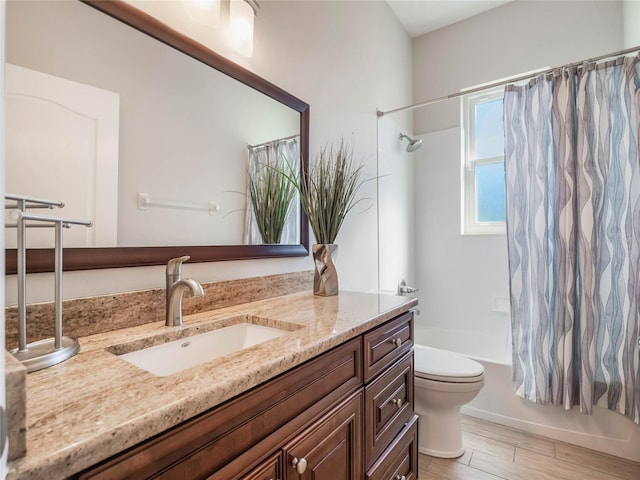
[413, 144]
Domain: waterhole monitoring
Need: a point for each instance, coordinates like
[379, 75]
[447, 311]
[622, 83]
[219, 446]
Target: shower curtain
[572, 171]
[276, 153]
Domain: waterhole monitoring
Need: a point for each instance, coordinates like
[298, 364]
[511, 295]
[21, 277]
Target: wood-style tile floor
[494, 452]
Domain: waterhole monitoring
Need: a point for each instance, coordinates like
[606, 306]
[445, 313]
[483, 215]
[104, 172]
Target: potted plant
[271, 194]
[327, 197]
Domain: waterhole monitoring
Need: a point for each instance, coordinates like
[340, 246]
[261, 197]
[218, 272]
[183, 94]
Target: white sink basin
[173, 357]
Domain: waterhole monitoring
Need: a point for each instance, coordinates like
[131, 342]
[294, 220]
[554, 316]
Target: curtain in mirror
[573, 231]
[282, 154]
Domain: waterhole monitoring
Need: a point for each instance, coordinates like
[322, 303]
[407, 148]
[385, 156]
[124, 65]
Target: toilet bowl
[444, 381]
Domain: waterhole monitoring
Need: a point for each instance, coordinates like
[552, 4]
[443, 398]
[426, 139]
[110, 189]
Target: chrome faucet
[176, 285]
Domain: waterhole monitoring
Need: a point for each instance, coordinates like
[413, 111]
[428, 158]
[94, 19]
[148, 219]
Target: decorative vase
[325, 278]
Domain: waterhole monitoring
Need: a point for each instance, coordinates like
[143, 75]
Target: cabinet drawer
[386, 344]
[388, 407]
[400, 460]
[203, 445]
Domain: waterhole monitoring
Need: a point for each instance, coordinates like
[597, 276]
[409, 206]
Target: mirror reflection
[149, 143]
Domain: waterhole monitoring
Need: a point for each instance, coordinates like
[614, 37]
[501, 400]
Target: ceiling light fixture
[205, 12]
[241, 17]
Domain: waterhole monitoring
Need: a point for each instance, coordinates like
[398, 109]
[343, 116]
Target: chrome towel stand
[43, 353]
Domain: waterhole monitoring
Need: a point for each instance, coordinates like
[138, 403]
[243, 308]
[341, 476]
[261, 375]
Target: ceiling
[422, 16]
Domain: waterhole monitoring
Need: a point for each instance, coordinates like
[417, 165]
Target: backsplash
[88, 316]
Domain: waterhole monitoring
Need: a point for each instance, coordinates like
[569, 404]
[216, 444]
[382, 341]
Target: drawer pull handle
[400, 477]
[300, 464]
[397, 402]
[397, 342]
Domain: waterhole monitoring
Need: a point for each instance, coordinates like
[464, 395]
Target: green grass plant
[271, 194]
[329, 193]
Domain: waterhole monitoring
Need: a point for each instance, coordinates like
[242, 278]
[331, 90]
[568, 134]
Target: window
[483, 163]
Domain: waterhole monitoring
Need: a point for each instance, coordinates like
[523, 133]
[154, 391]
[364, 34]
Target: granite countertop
[95, 404]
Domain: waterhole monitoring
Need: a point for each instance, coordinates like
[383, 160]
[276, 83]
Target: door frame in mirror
[42, 260]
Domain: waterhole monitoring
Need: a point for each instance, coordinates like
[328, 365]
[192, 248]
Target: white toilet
[444, 381]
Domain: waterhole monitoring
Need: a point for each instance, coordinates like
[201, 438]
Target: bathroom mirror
[170, 138]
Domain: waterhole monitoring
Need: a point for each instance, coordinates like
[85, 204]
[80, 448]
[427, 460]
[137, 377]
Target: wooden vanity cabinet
[331, 449]
[320, 420]
[401, 460]
[388, 407]
[390, 429]
[328, 449]
[248, 428]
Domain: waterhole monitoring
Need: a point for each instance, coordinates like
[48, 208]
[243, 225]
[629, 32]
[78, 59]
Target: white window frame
[470, 226]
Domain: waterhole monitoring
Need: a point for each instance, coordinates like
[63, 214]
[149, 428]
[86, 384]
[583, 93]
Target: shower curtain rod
[502, 82]
[284, 139]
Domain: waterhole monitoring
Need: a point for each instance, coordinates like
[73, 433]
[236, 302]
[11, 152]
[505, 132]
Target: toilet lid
[431, 363]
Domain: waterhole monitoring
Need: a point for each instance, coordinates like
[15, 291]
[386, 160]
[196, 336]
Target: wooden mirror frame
[89, 258]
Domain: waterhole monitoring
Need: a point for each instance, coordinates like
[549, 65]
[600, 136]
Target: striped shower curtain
[572, 170]
[281, 153]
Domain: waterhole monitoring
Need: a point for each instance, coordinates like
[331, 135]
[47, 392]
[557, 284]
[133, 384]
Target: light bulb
[241, 27]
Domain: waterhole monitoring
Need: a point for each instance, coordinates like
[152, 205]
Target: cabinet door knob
[300, 464]
[397, 342]
[397, 402]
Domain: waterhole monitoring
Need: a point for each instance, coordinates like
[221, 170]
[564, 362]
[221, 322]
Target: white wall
[460, 276]
[631, 12]
[396, 202]
[511, 39]
[343, 58]
[351, 57]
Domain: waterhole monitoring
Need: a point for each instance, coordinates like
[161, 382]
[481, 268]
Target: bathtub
[604, 431]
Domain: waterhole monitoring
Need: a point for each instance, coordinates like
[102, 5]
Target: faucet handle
[404, 289]
[174, 266]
